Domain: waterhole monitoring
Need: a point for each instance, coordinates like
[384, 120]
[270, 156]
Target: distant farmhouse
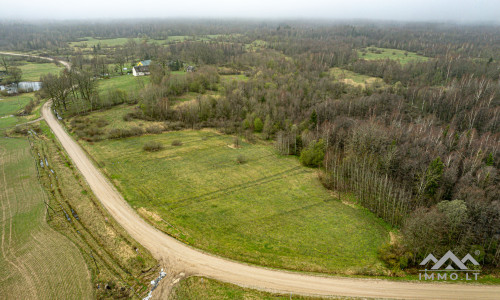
[142, 68]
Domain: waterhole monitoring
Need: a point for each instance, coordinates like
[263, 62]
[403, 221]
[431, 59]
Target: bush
[117, 96]
[20, 130]
[118, 133]
[241, 159]
[101, 122]
[258, 125]
[174, 125]
[128, 117]
[313, 155]
[152, 146]
[176, 143]
[154, 129]
[28, 108]
[136, 131]
[395, 256]
[236, 142]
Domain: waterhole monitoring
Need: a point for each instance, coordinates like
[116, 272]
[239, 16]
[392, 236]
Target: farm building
[142, 68]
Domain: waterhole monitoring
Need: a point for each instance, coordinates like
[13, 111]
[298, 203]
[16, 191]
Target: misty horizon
[482, 11]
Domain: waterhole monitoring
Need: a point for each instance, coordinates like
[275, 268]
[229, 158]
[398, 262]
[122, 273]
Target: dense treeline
[435, 72]
[423, 149]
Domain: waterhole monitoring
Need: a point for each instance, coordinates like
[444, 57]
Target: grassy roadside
[118, 265]
[193, 288]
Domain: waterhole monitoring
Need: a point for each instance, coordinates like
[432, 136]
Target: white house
[142, 68]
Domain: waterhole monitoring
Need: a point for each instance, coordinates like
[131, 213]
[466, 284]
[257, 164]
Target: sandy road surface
[64, 63]
[183, 258]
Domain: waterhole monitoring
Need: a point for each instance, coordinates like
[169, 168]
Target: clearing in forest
[356, 79]
[268, 210]
[374, 53]
[36, 262]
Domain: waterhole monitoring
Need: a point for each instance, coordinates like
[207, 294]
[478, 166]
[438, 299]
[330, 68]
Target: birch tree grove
[376, 192]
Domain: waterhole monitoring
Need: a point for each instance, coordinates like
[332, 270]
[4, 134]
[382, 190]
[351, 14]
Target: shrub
[258, 125]
[154, 129]
[101, 122]
[236, 142]
[174, 125]
[176, 143]
[136, 131]
[20, 130]
[241, 159]
[117, 96]
[313, 155]
[152, 146]
[128, 117]
[28, 108]
[395, 256]
[118, 133]
[89, 129]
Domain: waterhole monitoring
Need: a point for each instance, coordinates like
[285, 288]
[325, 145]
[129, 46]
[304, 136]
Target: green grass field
[230, 78]
[11, 105]
[33, 71]
[194, 288]
[356, 79]
[269, 211]
[127, 83]
[36, 262]
[402, 56]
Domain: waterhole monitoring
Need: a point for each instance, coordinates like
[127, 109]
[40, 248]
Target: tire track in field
[234, 188]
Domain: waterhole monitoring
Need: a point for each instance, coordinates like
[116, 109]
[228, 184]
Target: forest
[421, 150]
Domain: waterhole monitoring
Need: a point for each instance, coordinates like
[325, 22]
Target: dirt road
[64, 63]
[182, 258]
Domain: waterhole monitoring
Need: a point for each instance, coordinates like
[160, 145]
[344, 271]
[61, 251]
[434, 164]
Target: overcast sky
[400, 10]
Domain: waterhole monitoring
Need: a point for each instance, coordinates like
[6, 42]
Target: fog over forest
[412, 10]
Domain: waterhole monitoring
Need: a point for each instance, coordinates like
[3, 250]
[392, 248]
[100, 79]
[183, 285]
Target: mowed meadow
[36, 262]
[33, 71]
[266, 210]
